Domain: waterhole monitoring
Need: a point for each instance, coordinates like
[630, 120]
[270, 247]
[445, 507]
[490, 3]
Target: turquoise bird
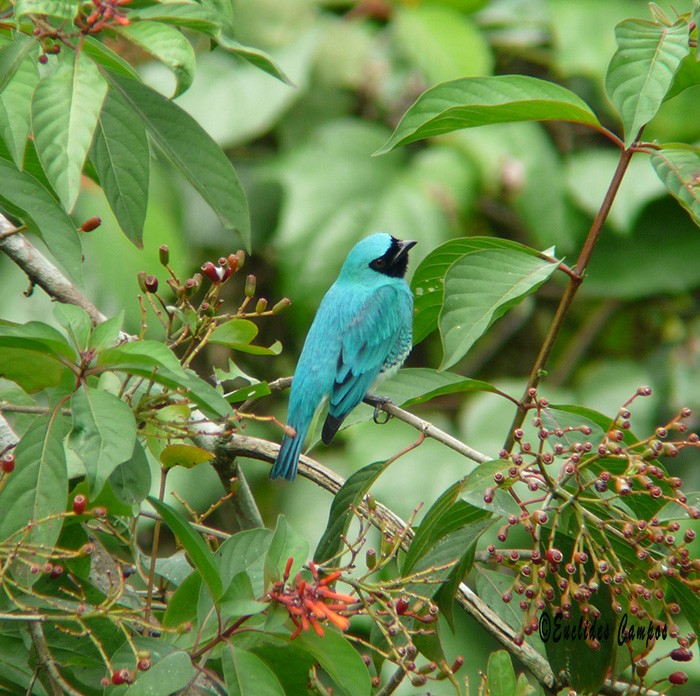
[362, 330]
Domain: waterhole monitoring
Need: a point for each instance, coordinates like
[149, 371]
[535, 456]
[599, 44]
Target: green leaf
[481, 287]
[131, 480]
[678, 166]
[174, 672]
[188, 15]
[12, 57]
[239, 599]
[103, 435]
[247, 675]
[340, 660]
[254, 56]
[76, 322]
[446, 539]
[167, 45]
[479, 101]
[417, 385]
[105, 334]
[24, 197]
[152, 359]
[341, 513]
[31, 370]
[63, 9]
[199, 552]
[285, 543]
[107, 57]
[245, 552]
[254, 391]
[65, 109]
[443, 42]
[480, 479]
[121, 157]
[641, 71]
[428, 280]
[37, 336]
[234, 333]
[37, 489]
[20, 80]
[186, 456]
[500, 674]
[191, 151]
[182, 606]
[440, 520]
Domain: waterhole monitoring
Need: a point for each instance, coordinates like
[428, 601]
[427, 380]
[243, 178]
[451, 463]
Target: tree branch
[42, 272]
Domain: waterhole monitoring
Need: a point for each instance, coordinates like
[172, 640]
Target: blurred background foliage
[304, 156]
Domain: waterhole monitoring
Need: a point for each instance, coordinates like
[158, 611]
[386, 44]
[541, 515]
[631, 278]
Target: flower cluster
[106, 13]
[311, 603]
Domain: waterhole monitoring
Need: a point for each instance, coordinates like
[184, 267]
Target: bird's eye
[379, 263]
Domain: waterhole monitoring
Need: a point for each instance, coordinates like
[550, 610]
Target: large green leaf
[479, 288]
[121, 157]
[107, 57]
[62, 9]
[38, 487]
[20, 80]
[678, 166]
[167, 45]
[245, 552]
[37, 336]
[340, 660]
[247, 675]
[103, 435]
[641, 71]
[200, 160]
[24, 197]
[341, 513]
[174, 672]
[199, 553]
[131, 480]
[480, 101]
[428, 280]
[65, 109]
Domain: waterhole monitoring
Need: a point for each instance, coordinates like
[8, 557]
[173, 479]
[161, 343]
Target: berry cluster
[625, 506]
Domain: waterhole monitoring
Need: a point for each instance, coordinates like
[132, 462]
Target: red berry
[79, 504]
[678, 678]
[144, 664]
[121, 676]
[91, 224]
[681, 655]
[402, 605]
[99, 511]
[8, 463]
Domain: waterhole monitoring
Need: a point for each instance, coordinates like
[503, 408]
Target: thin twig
[46, 662]
[569, 293]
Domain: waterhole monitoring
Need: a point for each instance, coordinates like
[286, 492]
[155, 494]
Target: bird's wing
[377, 337]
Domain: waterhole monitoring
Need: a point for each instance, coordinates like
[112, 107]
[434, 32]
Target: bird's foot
[380, 415]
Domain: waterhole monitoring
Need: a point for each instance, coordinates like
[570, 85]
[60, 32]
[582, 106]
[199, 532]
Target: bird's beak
[404, 248]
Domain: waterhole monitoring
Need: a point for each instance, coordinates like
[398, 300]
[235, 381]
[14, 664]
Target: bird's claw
[380, 416]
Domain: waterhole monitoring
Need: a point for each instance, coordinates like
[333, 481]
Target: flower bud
[681, 655]
[233, 262]
[261, 305]
[250, 283]
[151, 283]
[141, 277]
[91, 224]
[164, 254]
[211, 272]
[371, 559]
[240, 255]
[79, 504]
[282, 304]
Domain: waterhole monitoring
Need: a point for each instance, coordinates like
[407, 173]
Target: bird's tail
[288, 457]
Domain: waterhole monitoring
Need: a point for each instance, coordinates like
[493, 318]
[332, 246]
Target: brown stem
[154, 549]
[569, 293]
